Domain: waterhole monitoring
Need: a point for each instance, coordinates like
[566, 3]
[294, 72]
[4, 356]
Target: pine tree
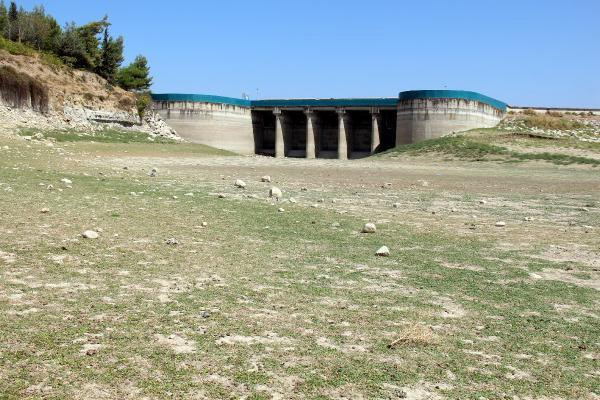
[136, 76]
[13, 22]
[111, 57]
[3, 19]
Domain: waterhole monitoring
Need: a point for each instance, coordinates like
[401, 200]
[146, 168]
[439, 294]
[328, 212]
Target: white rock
[500, 223]
[396, 205]
[153, 172]
[265, 178]
[89, 234]
[240, 183]
[66, 181]
[292, 200]
[369, 227]
[45, 210]
[280, 209]
[275, 192]
[190, 194]
[383, 251]
[204, 224]
[482, 202]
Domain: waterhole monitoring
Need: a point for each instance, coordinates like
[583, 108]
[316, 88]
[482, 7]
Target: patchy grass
[548, 121]
[468, 148]
[103, 136]
[262, 304]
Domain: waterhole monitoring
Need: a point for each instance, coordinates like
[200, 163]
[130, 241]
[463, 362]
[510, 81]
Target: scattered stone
[221, 195]
[482, 202]
[396, 205]
[265, 178]
[45, 210]
[125, 168]
[528, 219]
[205, 314]
[280, 209]
[173, 197]
[275, 192]
[66, 181]
[453, 209]
[333, 201]
[172, 241]
[204, 224]
[500, 224]
[50, 187]
[383, 251]
[335, 225]
[321, 201]
[153, 172]
[240, 183]
[303, 189]
[89, 234]
[293, 200]
[190, 194]
[369, 227]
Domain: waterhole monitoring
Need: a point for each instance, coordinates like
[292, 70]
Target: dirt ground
[196, 288]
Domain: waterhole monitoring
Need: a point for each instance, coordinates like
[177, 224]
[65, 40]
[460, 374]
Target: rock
[221, 195]
[66, 181]
[265, 178]
[45, 210]
[38, 136]
[482, 202]
[205, 314]
[50, 187]
[304, 189]
[321, 201]
[280, 209]
[275, 192]
[383, 251]
[528, 219]
[453, 209]
[293, 200]
[153, 172]
[89, 234]
[369, 227]
[204, 224]
[172, 241]
[335, 225]
[500, 224]
[240, 183]
[190, 194]
[396, 205]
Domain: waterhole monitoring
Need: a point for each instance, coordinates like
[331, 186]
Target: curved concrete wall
[426, 115]
[221, 125]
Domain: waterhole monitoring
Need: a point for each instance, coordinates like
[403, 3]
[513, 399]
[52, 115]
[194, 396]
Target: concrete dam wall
[325, 128]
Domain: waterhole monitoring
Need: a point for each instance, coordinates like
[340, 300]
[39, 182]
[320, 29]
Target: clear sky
[540, 53]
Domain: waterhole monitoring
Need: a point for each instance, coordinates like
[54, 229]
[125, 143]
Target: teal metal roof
[201, 98]
[360, 102]
[366, 102]
[451, 94]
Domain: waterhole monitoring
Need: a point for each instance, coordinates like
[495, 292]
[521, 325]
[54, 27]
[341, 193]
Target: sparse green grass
[104, 136]
[289, 279]
[546, 121]
[471, 147]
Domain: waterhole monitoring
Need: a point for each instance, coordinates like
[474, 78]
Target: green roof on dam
[331, 102]
[452, 94]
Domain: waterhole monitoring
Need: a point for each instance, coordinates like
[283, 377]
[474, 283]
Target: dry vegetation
[187, 294]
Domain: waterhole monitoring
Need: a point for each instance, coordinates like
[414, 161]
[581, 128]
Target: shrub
[20, 90]
[529, 111]
[551, 122]
[554, 113]
[142, 102]
[16, 48]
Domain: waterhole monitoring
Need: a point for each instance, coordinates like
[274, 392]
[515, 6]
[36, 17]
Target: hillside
[556, 138]
[37, 94]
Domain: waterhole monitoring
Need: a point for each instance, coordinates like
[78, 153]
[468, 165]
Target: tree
[111, 57]
[3, 19]
[72, 49]
[13, 22]
[136, 76]
[89, 37]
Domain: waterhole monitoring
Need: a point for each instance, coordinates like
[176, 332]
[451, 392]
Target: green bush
[16, 48]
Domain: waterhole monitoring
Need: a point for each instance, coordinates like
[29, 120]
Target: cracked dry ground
[292, 305]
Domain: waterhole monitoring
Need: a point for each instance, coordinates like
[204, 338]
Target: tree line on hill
[89, 47]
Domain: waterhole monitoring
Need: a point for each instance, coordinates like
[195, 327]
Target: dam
[342, 128]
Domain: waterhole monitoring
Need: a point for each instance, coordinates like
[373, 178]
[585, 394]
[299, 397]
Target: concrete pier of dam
[325, 128]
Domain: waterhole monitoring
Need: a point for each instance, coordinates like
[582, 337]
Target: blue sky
[542, 53]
